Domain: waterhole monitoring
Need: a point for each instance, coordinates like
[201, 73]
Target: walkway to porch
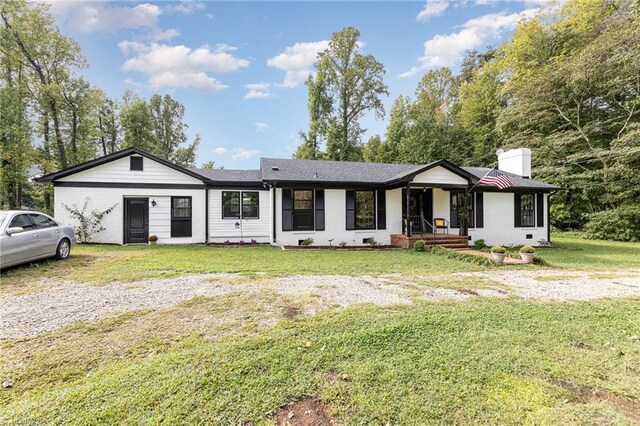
[442, 240]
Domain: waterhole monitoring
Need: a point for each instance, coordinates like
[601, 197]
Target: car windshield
[3, 216]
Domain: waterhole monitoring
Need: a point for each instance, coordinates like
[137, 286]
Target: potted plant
[498, 254]
[527, 253]
[153, 240]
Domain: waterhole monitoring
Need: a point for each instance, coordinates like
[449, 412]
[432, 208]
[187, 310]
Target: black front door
[136, 220]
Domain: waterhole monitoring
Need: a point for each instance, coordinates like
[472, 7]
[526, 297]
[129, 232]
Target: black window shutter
[453, 215]
[287, 212]
[319, 209]
[540, 209]
[382, 209]
[517, 213]
[479, 209]
[351, 209]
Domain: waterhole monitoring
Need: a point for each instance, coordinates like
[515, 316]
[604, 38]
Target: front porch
[430, 239]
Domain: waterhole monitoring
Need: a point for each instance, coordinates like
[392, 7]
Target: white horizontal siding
[118, 171]
[439, 175]
[221, 230]
[159, 216]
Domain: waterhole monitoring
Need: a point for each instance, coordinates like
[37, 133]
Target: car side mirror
[15, 230]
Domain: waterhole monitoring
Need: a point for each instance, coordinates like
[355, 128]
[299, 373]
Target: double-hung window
[302, 210]
[462, 210]
[365, 209]
[181, 217]
[527, 210]
[234, 202]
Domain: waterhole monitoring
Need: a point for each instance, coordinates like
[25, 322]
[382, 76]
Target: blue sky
[239, 67]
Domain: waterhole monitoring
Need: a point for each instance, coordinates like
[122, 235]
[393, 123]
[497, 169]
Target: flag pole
[485, 175]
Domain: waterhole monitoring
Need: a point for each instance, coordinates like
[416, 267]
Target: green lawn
[483, 362]
[105, 263]
[571, 251]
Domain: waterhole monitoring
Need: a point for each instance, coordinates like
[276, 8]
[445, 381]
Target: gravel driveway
[48, 310]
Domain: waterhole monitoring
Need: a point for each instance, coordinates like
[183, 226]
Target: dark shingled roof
[332, 171]
[518, 181]
[229, 175]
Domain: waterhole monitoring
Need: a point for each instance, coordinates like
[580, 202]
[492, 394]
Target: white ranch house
[287, 201]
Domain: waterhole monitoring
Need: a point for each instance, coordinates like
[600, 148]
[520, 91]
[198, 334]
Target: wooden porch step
[442, 240]
[451, 245]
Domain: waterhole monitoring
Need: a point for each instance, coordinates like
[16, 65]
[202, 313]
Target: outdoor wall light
[153, 203]
[237, 225]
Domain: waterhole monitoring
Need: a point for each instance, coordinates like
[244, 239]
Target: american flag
[497, 179]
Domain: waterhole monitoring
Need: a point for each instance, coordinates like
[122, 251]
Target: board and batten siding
[221, 230]
[159, 216]
[119, 171]
[335, 222]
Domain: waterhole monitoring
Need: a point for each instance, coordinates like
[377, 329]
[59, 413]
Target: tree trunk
[103, 140]
[74, 136]
[58, 133]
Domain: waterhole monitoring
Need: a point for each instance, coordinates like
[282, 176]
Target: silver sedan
[26, 236]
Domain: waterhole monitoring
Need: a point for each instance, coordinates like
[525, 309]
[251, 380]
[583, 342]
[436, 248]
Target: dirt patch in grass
[585, 394]
[468, 291]
[290, 312]
[305, 412]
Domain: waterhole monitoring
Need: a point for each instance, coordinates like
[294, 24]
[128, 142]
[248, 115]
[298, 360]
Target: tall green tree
[15, 147]
[137, 123]
[49, 59]
[109, 128]
[480, 105]
[319, 106]
[354, 83]
[573, 95]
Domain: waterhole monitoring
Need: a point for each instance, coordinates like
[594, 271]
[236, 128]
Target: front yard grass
[484, 361]
[573, 252]
[105, 263]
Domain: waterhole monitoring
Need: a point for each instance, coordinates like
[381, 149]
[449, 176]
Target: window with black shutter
[135, 163]
[180, 217]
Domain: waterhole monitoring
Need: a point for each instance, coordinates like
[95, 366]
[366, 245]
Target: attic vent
[275, 168]
[315, 175]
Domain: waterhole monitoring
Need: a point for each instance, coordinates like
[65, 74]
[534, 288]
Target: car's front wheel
[63, 250]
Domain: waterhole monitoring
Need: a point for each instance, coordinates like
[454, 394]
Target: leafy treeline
[567, 85]
[52, 118]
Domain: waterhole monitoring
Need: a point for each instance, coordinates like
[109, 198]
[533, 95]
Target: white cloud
[261, 127]
[220, 150]
[101, 17]
[185, 7]
[297, 61]
[431, 9]
[158, 35]
[181, 66]
[244, 154]
[446, 50]
[259, 91]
